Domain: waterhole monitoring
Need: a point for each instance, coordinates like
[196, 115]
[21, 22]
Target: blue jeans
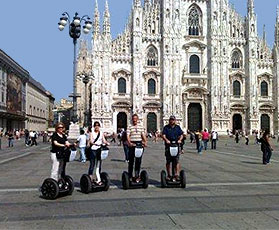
[95, 156]
[11, 143]
[205, 144]
[126, 151]
[82, 154]
[200, 146]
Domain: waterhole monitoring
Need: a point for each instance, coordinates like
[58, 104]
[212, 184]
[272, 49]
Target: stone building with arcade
[199, 60]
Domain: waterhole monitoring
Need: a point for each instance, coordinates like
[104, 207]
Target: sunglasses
[60, 128]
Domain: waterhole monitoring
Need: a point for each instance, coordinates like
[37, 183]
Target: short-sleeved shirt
[135, 132]
[82, 140]
[172, 133]
[60, 139]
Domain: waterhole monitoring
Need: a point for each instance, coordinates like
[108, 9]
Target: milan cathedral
[196, 59]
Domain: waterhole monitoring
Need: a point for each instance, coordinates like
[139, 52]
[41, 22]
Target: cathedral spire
[106, 24]
[96, 29]
[277, 29]
[251, 7]
[137, 3]
[264, 33]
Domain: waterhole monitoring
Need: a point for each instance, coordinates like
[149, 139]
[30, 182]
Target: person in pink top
[205, 138]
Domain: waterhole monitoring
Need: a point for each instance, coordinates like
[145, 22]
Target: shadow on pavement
[252, 163]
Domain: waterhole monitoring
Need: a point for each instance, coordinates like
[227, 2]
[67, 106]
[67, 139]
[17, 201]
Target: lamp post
[75, 32]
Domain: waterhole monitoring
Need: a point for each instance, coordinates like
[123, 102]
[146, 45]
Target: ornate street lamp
[75, 32]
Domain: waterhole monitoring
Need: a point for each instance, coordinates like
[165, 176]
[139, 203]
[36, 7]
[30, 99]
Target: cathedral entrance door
[194, 117]
[122, 121]
[237, 122]
[151, 122]
[265, 122]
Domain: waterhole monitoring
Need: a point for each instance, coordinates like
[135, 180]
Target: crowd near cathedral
[198, 60]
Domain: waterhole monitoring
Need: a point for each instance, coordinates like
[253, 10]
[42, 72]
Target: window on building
[121, 85]
[194, 21]
[194, 64]
[264, 89]
[152, 56]
[151, 87]
[30, 110]
[236, 89]
[236, 59]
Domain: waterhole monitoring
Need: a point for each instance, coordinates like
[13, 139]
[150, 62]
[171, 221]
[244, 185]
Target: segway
[173, 182]
[51, 189]
[87, 186]
[143, 183]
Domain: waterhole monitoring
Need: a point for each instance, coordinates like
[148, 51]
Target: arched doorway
[151, 122]
[194, 117]
[121, 120]
[237, 122]
[265, 122]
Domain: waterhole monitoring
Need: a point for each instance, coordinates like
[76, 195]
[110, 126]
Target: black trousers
[132, 160]
[213, 144]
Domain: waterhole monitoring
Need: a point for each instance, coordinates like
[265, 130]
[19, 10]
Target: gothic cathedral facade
[196, 59]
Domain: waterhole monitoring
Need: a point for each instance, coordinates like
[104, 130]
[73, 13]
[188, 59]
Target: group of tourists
[95, 139]
[91, 142]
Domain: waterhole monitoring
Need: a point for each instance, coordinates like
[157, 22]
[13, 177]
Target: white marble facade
[196, 59]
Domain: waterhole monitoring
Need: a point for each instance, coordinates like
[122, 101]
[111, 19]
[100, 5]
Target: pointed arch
[152, 56]
[194, 20]
[264, 89]
[236, 88]
[236, 59]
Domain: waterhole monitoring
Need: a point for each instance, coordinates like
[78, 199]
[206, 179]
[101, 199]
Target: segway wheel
[163, 179]
[85, 184]
[70, 183]
[50, 189]
[144, 178]
[106, 181]
[125, 180]
[183, 178]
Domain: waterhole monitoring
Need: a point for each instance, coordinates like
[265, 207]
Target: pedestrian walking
[26, 135]
[237, 137]
[247, 139]
[205, 138]
[81, 140]
[214, 138]
[10, 139]
[33, 136]
[113, 137]
[266, 147]
[199, 142]
[125, 146]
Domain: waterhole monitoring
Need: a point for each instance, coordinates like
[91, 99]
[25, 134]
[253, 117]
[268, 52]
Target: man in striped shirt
[135, 136]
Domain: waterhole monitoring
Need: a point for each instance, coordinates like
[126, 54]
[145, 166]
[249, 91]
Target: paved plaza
[227, 188]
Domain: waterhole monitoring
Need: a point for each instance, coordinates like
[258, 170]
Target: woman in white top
[97, 139]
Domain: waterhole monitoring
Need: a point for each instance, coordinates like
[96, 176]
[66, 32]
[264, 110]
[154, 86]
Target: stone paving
[227, 188]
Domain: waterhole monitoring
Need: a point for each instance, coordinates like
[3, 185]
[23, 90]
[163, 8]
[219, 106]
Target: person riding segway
[99, 152]
[173, 135]
[136, 138]
[59, 183]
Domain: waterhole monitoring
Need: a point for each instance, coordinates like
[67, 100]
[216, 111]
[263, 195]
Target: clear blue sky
[30, 35]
